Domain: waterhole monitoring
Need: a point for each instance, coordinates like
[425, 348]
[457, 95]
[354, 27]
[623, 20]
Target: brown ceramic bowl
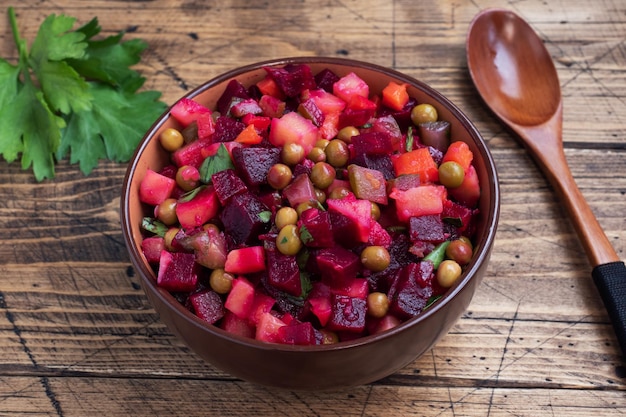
[328, 366]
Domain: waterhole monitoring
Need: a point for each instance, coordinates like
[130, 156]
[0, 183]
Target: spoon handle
[610, 279]
[609, 272]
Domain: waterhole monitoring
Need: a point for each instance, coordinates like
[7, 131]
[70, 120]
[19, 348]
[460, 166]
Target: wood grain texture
[78, 337]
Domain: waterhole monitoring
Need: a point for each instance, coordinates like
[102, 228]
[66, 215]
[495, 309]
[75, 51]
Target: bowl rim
[483, 249]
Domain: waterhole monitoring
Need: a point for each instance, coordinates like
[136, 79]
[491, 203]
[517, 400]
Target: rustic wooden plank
[77, 335]
[149, 397]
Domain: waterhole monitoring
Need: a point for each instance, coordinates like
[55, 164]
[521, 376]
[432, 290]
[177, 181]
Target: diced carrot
[395, 96]
[269, 87]
[460, 153]
[249, 136]
[418, 161]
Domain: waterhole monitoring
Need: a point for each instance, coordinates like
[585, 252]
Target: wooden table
[78, 337]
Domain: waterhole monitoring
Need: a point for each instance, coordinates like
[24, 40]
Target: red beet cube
[236, 325]
[262, 304]
[155, 188]
[152, 247]
[337, 265]
[178, 271]
[268, 328]
[298, 334]
[283, 272]
[427, 228]
[410, 292]
[319, 302]
[347, 314]
[200, 209]
[227, 184]
[253, 163]
[242, 218]
[372, 143]
[207, 305]
[227, 129]
[240, 299]
[315, 228]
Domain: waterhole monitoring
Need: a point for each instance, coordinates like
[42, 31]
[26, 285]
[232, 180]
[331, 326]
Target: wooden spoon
[515, 76]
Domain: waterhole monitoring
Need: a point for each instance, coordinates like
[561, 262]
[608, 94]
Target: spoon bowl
[521, 82]
[516, 77]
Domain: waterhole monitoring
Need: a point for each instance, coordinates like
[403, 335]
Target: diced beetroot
[187, 110]
[293, 128]
[245, 107]
[388, 126]
[358, 112]
[253, 163]
[308, 109]
[293, 79]
[261, 123]
[236, 325]
[178, 271]
[380, 163]
[427, 228]
[206, 126]
[200, 209]
[407, 296]
[297, 334]
[372, 143]
[268, 328]
[245, 260]
[227, 184]
[193, 153]
[207, 305]
[283, 272]
[319, 301]
[234, 90]
[326, 102]
[272, 106]
[337, 265]
[325, 79]
[356, 288]
[240, 299]
[151, 247]
[241, 218]
[301, 190]
[468, 192]
[458, 215]
[358, 211]
[345, 231]
[227, 129]
[262, 304]
[418, 201]
[155, 188]
[387, 322]
[347, 314]
[315, 228]
[379, 236]
[349, 86]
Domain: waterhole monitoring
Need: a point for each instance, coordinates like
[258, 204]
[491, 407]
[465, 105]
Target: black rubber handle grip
[610, 279]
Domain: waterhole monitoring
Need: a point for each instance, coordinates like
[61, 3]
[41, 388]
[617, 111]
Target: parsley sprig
[72, 95]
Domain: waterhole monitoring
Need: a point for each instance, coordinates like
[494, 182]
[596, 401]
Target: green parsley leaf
[305, 236]
[154, 226]
[72, 94]
[107, 130]
[409, 139]
[215, 163]
[265, 216]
